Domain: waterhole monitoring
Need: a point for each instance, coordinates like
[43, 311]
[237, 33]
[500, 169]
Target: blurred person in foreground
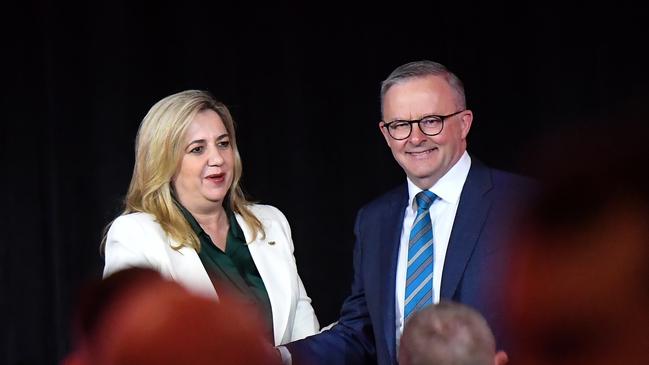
[442, 233]
[579, 291]
[186, 216]
[136, 317]
[448, 333]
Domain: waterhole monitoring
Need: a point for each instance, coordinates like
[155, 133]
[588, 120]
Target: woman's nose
[215, 158]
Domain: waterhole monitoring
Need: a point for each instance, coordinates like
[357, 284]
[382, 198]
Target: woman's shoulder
[140, 229]
[265, 212]
[137, 219]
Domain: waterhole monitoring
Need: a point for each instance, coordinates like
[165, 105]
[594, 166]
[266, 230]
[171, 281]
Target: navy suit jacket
[475, 262]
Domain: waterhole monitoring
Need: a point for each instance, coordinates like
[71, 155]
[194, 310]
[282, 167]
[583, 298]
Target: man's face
[426, 158]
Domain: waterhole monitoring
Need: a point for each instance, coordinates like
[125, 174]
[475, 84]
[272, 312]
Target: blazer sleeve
[305, 322]
[351, 340]
[125, 245]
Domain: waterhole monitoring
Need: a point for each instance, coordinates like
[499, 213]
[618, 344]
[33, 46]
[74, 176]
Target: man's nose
[416, 135]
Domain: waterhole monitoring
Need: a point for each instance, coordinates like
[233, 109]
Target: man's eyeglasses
[430, 125]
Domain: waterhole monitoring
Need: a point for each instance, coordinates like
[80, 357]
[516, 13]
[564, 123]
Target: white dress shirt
[442, 215]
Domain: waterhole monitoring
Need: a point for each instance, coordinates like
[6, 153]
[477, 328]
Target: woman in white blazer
[187, 217]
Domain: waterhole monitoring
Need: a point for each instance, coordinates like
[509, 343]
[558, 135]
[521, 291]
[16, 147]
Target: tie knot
[425, 199]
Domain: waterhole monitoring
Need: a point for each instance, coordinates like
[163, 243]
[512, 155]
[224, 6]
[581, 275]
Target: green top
[234, 271]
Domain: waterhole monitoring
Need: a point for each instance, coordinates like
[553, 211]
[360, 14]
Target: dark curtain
[302, 81]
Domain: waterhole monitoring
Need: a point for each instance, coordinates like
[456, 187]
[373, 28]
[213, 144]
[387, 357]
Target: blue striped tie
[419, 276]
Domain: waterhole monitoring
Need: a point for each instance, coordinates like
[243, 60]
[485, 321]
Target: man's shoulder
[506, 180]
[396, 195]
[511, 179]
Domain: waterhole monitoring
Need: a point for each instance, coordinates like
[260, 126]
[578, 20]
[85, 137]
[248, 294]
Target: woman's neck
[210, 217]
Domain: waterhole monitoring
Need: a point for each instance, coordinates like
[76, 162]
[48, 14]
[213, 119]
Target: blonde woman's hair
[158, 152]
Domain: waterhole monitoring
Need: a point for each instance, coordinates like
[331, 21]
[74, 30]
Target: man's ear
[501, 358]
[384, 131]
[466, 122]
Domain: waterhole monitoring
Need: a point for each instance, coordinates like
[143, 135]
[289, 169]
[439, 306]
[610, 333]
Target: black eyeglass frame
[441, 118]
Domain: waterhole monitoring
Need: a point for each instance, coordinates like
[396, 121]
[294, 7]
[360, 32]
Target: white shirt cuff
[286, 355]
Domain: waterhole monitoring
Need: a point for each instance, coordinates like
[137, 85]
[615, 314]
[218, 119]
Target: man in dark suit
[439, 235]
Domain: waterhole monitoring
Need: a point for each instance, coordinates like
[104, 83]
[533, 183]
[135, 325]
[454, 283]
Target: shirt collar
[448, 187]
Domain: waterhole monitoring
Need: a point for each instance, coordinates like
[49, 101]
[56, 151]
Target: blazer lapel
[470, 217]
[187, 268]
[391, 225]
[273, 269]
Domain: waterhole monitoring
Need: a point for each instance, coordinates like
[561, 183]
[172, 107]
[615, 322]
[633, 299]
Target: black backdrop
[302, 82]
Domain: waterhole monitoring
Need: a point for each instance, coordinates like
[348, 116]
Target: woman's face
[207, 164]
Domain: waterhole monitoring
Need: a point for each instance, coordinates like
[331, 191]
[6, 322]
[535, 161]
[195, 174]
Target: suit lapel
[470, 217]
[391, 225]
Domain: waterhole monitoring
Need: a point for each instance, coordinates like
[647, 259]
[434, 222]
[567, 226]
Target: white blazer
[136, 239]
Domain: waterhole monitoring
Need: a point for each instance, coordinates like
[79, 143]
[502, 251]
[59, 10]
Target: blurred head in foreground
[580, 281]
[448, 333]
[137, 317]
